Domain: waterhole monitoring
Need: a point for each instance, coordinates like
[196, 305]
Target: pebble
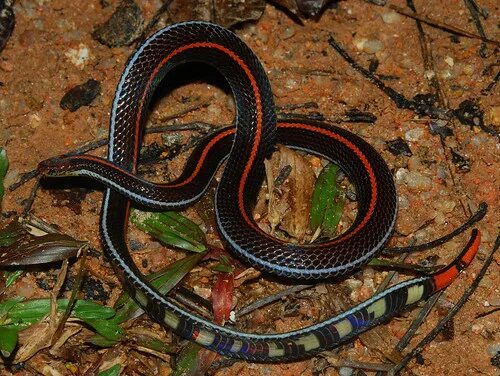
[288, 33]
[477, 328]
[121, 28]
[78, 56]
[444, 206]
[449, 60]
[353, 283]
[403, 202]
[493, 349]
[398, 147]
[414, 134]
[370, 46]
[416, 181]
[345, 371]
[391, 17]
[468, 70]
[80, 95]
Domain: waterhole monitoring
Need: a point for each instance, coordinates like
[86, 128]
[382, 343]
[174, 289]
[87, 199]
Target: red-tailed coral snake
[244, 150]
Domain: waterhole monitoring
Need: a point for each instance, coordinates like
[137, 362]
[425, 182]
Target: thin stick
[270, 299]
[440, 25]
[400, 100]
[481, 212]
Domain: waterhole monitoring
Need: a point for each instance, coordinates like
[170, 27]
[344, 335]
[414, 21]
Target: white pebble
[345, 371]
[449, 60]
[391, 17]
[78, 56]
[417, 181]
[414, 134]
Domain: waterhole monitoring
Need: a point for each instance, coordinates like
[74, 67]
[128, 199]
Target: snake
[244, 148]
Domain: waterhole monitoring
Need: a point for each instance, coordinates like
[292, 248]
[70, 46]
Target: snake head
[56, 166]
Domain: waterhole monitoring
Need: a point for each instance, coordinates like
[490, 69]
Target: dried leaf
[308, 8]
[224, 12]
[232, 12]
[33, 250]
[289, 204]
[222, 297]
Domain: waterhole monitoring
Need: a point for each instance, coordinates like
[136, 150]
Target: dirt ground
[52, 50]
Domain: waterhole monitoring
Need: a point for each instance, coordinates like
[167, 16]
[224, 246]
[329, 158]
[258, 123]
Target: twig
[435, 23]
[474, 12]
[400, 100]
[269, 299]
[481, 212]
[430, 337]
[154, 20]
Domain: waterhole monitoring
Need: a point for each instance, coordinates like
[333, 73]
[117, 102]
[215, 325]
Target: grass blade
[171, 228]
[327, 201]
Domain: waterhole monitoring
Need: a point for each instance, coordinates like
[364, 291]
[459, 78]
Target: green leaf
[154, 344]
[12, 276]
[4, 165]
[11, 233]
[163, 280]
[171, 228]
[224, 265]
[6, 306]
[106, 328]
[187, 361]
[327, 201]
[100, 341]
[34, 310]
[112, 371]
[8, 340]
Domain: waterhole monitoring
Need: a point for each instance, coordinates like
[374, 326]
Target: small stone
[398, 147]
[477, 328]
[417, 181]
[403, 202]
[449, 60]
[345, 371]
[391, 17]
[373, 46]
[121, 28]
[370, 46]
[78, 56]
[439, 127]
[80, 95]
[414, 134]
[288, 33]
[353, 283]
[401, 175]
[446, 74]
[468, 70]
